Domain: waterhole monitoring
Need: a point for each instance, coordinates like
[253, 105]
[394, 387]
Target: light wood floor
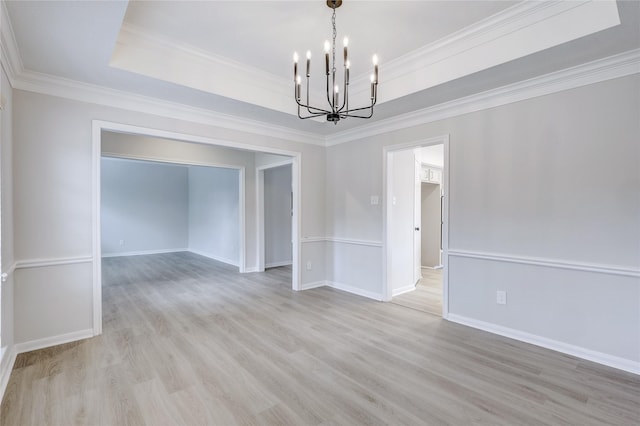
[189, 341]
[427, 297]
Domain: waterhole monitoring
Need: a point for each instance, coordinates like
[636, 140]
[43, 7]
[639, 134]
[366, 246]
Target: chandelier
[335, 111]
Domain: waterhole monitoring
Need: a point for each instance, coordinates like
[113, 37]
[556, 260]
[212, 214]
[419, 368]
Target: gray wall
[277, 216]
[430, 224]
[527, 172]
[214, 226]
[144, 205]
[52, 203]
[555, 177]
[6, 216]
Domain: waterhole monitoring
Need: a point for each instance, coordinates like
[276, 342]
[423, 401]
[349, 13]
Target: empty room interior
[207, 218]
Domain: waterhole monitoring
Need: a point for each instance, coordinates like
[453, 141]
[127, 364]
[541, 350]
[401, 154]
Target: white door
[417, 219]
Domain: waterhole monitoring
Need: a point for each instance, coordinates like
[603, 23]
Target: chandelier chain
[335, 33]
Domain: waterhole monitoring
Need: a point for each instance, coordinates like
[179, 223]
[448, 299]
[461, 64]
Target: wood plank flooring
[427, 297]
[190, 341]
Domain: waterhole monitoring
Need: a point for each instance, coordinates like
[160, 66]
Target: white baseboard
[355, 290]
[252, 269]
[46, 342]
[7, 361]
[276, 264]
[403, 290]
[432, 267]
[214, 257]
[315, 284]
[143, 252]
[577, 351]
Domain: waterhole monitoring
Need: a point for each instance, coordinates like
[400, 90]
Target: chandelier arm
[360, 109]
[318, 111]
[314, 110]
[348, 114]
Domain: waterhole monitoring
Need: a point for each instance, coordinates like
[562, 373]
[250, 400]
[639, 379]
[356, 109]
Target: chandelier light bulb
[327, 46]
[308, 54]
[348, 64]
[375, 60]
[297, 79]
[345, 42]
[337, 89]
[373, 78]
[295, 57]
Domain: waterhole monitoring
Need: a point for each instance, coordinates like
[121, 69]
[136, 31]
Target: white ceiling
[245, 48]
[264, 34]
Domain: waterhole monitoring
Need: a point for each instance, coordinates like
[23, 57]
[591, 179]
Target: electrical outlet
[501, 297]
[375, 200]
[308, 265]
[121, 242]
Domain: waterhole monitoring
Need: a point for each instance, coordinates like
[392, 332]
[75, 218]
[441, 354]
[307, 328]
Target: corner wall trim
[403, 290]
[60, 339]
[41, 263]
[355, 290]
[214, 257]
[315, 284]
[550, 263]
[339, 240]
[555, 345]
[276, 264]
[6, 274]
[7, 361]
[144, 252]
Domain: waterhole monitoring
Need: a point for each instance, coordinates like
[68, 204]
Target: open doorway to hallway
[416, 225]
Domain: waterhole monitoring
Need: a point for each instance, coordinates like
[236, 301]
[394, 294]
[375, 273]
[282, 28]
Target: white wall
[144, 206]
[214, 226]
[554, 178]
[277, 216]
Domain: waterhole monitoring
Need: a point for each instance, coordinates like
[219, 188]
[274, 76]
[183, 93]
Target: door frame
[260, 249]
[97, 126]
[388, 151]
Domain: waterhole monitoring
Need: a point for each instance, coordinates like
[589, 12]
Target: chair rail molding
[549, 263]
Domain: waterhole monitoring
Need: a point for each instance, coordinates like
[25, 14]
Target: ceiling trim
[520, 30]
[145, 53]
[10, 55]
[523, 29]
[71, 89]
[616, 66]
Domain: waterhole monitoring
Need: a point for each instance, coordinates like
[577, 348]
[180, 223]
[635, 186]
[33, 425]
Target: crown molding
[9, 53]
[615, 66]
[520, 30]
[140, 51]
[71, 89]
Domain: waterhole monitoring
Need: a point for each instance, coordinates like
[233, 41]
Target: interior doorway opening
[170, 147]
[275, 214]
[416, 235]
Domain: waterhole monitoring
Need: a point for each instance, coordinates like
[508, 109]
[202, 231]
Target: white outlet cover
[375, 200]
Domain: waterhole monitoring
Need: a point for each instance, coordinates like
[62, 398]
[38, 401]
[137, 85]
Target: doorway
[247, 230]
[416, 225]
[275, 214]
